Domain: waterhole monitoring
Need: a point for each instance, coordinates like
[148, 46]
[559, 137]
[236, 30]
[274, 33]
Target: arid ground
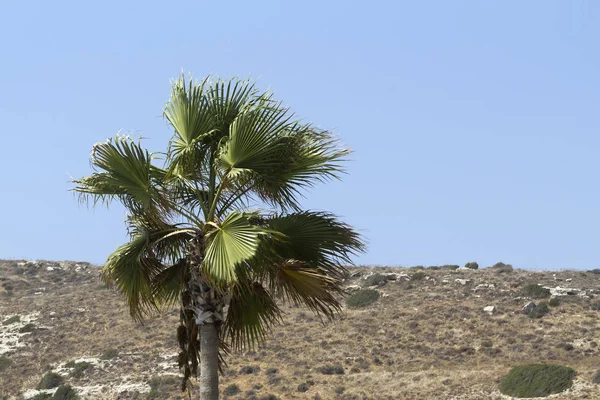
[426, 337]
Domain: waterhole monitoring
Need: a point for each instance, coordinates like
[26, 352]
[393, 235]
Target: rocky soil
[432, 334]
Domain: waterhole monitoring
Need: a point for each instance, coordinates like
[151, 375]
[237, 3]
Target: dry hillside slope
[426, 337]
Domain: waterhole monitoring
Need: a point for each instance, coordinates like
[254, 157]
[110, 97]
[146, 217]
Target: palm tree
[217, 230]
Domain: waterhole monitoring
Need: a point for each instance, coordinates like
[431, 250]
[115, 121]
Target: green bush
[539, 311]
[362, 298]
[27, 328]
[554, 302]
[331, 370]
[50, 380]
[451, 267]
[79, 368]
[160, 386]
[596, 305]
[231, 390]
[375, 280]
[12, 320]
[42, 396]
[417, 276]
[596, 377]
[536, 380]
[472, 265]
[65, 392]
[536, 291]
[109, 354]
[5, 362]
[501, 268]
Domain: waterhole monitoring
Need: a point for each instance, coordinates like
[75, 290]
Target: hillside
[426, 337]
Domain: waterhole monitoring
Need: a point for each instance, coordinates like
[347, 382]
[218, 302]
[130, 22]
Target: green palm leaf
[251, 314]
[126, 173]
[230, 243]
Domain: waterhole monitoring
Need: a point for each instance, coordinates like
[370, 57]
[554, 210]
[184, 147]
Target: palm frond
[123, 171]
[134, 267]
[251, 314]
[230, 243]
[318, 239]
[300, 284]
[306, 156]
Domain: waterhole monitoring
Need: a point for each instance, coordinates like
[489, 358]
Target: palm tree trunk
[209, 362]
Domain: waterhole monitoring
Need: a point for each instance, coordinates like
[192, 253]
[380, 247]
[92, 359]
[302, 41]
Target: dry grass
[422, 339]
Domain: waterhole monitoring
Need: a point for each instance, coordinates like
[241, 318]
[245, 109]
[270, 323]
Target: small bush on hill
[539, 311]
[5, 362]
[554, 302]
[79, 368]
[451, 267]
[331, 370]
[65, 392]
[375, 280]
[595, 271]
[231, 390]
[596, 305]
[109, 354]
[160, 386]
[596, 377]
[472, 265]
[50, 380]
[249, 369]
[362, 298]
[12, 320]
[501, 268]
[536, 291]
[27, 328]
[536, 380]
[417, 276]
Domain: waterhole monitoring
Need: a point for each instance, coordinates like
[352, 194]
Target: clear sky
[474, 123]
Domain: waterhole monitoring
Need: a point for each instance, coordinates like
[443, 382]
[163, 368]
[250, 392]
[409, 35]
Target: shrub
[79, 368]
[565, 346]
[472, 265]
[417, 276]
[596, 377]
[27, 328]
[596, 305]
[5, 362]
[375, 280]
[451, 267]
[42, 396]
[303, 387]
[554, 302]
[595, 271]
[12, 320]
[249, 369]
[231, 390]
[536, 291]
[160, 386]
[271, 371]
[109, 354]
[539, 311]
[536, 380]
[331, 370]
[362, 298]
[501, 268]
[50, 380]
[65, 392]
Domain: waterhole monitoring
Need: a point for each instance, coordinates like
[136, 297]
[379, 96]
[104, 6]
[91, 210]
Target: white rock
[489, 309]
[49, 269]
[568, 280]
[528, 307]
[462, 281]
[353, 287]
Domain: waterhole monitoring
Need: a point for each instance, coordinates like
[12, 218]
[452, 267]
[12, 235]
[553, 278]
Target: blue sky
[474, 123]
